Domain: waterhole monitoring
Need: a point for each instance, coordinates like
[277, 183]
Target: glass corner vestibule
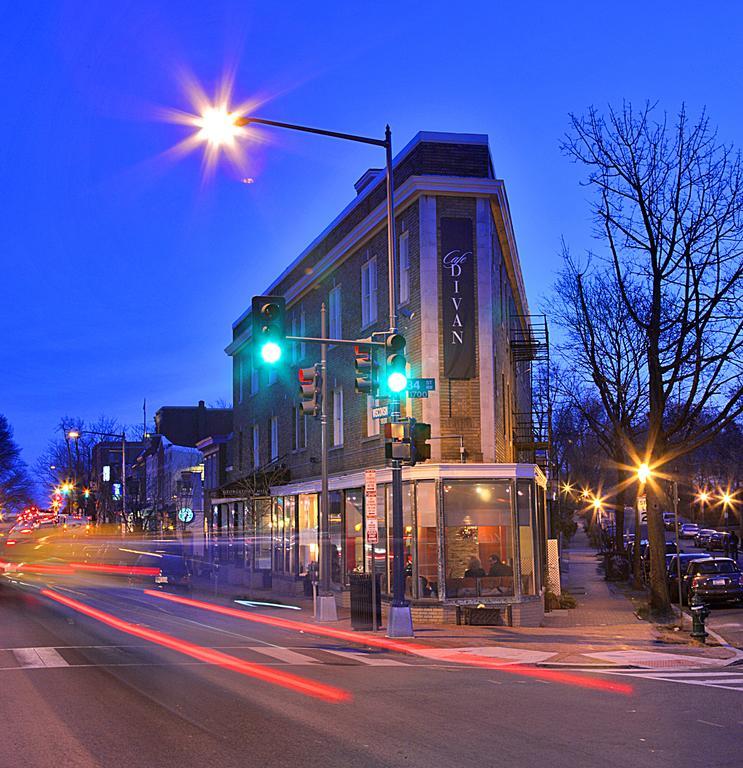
[463, 539]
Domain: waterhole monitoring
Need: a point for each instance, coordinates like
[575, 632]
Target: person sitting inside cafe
[474, 569]
[498, 567]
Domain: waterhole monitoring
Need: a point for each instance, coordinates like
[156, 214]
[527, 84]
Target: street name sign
[381, 412]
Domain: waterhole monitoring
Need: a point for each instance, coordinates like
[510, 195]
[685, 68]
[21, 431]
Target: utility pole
[123, 481]
[325, 609]
[400, 622]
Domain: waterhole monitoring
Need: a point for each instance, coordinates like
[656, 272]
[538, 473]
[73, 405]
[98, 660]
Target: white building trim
[419, 472]
[485, 298]
[429, 309]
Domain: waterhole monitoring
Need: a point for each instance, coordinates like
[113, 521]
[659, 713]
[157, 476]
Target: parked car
[668, 520]
[670, 551]
[672, 570]
[714, 579]
[701, 539]
[688, 530]
[717, 541]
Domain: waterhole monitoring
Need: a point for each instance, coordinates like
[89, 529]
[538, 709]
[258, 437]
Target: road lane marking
[35, 658]
[283, 654]
[372, 660]
[707, 722]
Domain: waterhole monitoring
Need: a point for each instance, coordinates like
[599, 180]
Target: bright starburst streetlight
[643, 473]
[218, 126]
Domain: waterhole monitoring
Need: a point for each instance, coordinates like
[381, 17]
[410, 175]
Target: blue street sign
[421, 385]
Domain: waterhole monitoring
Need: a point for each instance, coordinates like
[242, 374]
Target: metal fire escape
[530, 353]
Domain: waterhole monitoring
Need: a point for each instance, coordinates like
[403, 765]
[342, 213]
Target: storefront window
[527, 550]
[277, 533]
[407, 524]
[263, 534]
[354, 548]
[425, 507]
[290, 537]
[478, 539]
[336, 536]
[381, 560]
[307, 533]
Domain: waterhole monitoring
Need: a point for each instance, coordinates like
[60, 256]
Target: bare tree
[669, 210]
[604, 377]
[16, 487]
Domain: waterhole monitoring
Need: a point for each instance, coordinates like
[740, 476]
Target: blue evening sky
[123, 269]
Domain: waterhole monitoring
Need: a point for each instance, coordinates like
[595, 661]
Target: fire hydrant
[699, 613]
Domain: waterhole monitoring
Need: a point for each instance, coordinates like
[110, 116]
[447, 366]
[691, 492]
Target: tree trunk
[636, 564]
[659, 598]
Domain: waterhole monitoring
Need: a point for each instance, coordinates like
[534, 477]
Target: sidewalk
[602, 631]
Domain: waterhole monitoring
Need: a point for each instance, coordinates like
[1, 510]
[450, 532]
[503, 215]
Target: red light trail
[284, 679]
[551, 675]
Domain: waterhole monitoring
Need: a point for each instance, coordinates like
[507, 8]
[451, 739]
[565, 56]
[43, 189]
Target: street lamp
[74, 434]
[702, 498]
[220, 127]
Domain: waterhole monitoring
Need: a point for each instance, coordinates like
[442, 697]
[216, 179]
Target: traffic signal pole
[400, 621]
[325, 608]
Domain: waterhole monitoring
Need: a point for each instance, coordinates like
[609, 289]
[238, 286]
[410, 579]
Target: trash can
[361, 601]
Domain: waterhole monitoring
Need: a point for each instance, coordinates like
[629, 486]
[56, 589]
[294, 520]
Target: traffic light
[366, 371]
[269, 328]
[397, 441]
[396, 368]
[420, 434]
[310, 383]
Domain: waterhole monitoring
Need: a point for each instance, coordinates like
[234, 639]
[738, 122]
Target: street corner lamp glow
[219, 127]
[73, 434]
[703, 496]
[643, 473]
[397, 382]
[271, 352]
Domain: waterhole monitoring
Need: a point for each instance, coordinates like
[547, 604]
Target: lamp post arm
[243, 121]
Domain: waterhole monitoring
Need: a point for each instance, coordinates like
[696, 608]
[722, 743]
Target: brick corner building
[475, 515]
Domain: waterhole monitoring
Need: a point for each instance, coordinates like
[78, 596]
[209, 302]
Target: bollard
[699, 613]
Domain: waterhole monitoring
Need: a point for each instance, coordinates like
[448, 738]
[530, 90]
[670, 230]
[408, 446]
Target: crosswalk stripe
[286, 655]
[34, 658]
[372, 660]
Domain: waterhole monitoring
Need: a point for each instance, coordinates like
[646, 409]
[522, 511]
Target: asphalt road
[76, 691]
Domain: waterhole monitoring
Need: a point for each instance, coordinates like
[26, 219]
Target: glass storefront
[469, 546]
[427, 539]
[478, 535]
[307, 533]
[354, 543]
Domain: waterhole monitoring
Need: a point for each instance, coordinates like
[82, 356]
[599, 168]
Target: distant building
[106, 482]
[187, 424]
[170, 469]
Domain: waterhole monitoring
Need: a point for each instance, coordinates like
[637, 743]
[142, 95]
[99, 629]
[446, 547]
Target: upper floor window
[255, 379]
[256, 446]
[274, 438]
[337, 417]
[299, 433]
[372, 424]
[334, 313]
[369, 292]
[404, 268]
[295, 332]
[302, 332]
[240, 378]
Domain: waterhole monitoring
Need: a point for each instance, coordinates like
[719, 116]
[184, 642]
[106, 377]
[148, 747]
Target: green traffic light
[271, 352]
[397, 382]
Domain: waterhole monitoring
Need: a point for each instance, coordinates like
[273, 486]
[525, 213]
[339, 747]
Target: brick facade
[455, 408]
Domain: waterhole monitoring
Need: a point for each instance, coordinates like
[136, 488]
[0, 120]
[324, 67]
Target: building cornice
[419, 472]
